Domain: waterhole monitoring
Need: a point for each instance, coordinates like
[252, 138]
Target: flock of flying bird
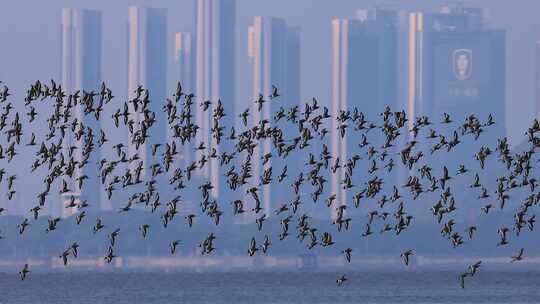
[398, 136]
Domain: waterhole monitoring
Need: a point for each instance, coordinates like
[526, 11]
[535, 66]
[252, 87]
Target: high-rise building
[274, 52]
[456, 66]
[215, 80]
[184, 60]
[81, 71]
[147, 53]
[364, 76]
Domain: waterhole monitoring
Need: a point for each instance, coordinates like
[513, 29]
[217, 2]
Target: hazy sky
[30, 41]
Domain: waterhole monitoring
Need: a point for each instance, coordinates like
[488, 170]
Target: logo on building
[462, 61]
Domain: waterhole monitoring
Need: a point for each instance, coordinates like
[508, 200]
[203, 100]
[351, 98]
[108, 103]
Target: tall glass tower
[81, 72]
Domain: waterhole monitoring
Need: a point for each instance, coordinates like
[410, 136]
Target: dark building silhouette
[456, 66]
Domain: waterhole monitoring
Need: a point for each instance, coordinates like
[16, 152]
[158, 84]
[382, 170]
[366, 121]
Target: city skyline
[205, 64]
[319, 150]
[521, 41]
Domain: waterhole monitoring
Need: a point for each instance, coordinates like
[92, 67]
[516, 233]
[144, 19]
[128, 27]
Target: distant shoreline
[266, 263]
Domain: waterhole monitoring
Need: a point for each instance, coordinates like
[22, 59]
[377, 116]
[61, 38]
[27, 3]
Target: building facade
[274, 54]
[457, 65]
[184, 61]
[215, 81]
[81, 53]
[364, 77]
[147, 53]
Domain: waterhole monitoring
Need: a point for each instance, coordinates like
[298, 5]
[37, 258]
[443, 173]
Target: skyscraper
[413, 49]
[184, 60]
[364, 76]
[147, 51]
[459, 65]
[274, 52]
[81, 71]
[215, 79]
[454, 64]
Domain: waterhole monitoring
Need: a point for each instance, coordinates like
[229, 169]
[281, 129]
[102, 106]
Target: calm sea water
[119, 288]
